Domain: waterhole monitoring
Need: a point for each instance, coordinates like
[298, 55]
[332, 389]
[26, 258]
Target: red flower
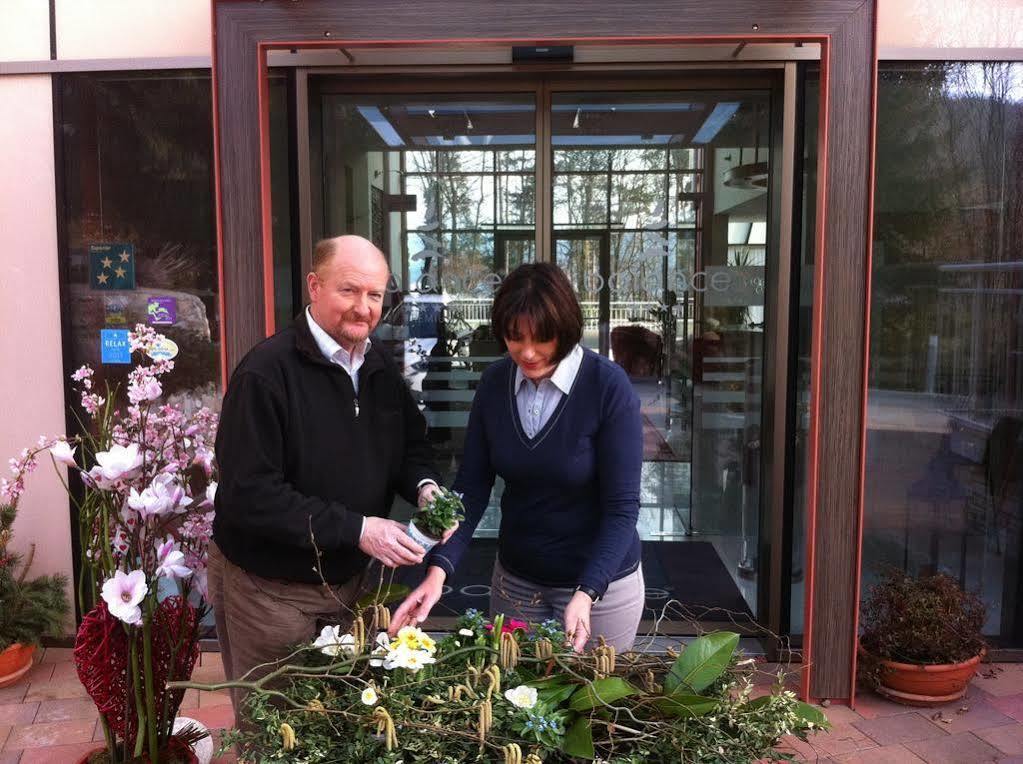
[509, 626]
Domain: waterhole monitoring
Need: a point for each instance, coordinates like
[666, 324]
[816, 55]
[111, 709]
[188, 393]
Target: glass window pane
[515, 161]
[516, 199]
[467, 201]
[639, 159]
[580, 199]
[638, 201]
[574, 160]
[138, 198]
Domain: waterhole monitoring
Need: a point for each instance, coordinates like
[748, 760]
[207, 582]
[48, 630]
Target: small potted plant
[429, 524]
[921, 641]
[30, 609]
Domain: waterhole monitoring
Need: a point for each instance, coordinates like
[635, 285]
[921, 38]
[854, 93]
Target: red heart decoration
[103, 653]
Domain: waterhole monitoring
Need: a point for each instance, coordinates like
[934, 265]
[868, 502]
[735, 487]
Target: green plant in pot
[921, 638]
[429, 524]
[29, 608]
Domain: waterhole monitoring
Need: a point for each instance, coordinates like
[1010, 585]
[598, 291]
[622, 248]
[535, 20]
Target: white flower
[171, 561]
[369, 696]
[211, 493]
[331, 641]
[118, 463]
[466, 632]
[403, 657]
[521, 696]
[123, 593]
[383, 647]
[63, 453]
[163, 496]
[204, 457]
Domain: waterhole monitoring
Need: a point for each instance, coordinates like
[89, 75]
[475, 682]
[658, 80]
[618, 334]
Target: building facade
[797, 229]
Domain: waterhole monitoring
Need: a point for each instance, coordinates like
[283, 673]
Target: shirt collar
[329, 346]
[563, 376]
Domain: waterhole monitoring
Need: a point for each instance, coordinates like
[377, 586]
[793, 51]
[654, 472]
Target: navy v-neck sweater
[571, 495]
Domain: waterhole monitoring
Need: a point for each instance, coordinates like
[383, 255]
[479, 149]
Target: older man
[317, 433]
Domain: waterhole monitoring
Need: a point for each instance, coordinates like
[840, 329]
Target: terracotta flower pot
[927, 684]
[15, 662]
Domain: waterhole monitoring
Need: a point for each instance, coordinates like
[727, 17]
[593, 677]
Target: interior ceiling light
[751, 176]
[575, 122]
[468, 122]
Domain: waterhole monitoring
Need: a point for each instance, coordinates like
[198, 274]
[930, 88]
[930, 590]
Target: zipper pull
[356, 408]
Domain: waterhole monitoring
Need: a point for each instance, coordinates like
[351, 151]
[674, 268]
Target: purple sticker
[162, 311]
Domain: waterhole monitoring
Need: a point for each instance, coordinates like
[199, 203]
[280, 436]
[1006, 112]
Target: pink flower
[63, 453]
[510, 625]
[119, 463]
[171, 561]
[161, 497]
[123, 593]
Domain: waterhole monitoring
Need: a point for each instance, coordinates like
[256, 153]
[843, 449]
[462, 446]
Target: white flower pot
[426, 542]
[204, 748]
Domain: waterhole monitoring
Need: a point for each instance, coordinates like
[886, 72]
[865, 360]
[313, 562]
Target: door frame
[244, 31]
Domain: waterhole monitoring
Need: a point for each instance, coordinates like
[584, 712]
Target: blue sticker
[114, 346]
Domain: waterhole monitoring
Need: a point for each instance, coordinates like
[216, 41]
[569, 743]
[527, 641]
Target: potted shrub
[920, 641]
[31, 608]
[429, 524]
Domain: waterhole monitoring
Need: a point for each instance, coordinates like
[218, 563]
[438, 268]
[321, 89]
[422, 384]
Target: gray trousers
[615, 616]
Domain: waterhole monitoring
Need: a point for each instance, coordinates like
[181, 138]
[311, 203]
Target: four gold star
[102, 278]
[107, 262]
[121, 273]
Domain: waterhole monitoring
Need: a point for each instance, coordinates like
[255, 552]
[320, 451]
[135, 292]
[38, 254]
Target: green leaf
[578, 740]
[684, 706]
[387, 595]
[602, 691]
[553, 696]
[703, 661]
[809, 713]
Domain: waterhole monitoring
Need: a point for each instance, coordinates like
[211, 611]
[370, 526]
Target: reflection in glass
[944, 483]
[640, 213]
[138, 180]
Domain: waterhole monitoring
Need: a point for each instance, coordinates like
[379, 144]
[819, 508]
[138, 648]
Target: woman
[561, 425]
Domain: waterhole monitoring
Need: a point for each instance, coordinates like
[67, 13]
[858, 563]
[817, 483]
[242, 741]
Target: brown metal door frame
[245, 30]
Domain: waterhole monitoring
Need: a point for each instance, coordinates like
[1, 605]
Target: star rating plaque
[112, 266]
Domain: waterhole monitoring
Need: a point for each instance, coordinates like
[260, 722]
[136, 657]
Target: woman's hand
[577, 620]
[420, 601]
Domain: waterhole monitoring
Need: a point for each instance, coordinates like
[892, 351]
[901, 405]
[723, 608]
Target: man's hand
[420, 601]
[577, 620]
[386, 540]
[427, 493]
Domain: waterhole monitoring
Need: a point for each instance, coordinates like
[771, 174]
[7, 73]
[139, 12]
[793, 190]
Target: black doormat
[690, 572]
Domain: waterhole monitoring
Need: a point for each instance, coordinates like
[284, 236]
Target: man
[317, 433]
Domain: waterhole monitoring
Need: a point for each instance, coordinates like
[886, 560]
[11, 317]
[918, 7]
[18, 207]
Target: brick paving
[48, 719]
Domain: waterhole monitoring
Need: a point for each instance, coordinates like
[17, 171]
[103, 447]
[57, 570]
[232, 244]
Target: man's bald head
[347, 287]
[353, 248]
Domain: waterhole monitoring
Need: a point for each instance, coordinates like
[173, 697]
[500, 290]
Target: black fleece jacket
[302, 457]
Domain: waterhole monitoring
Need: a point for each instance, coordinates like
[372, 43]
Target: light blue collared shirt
[537, 402]
[335, 353]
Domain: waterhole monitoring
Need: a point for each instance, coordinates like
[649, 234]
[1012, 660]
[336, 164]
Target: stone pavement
[48, 718]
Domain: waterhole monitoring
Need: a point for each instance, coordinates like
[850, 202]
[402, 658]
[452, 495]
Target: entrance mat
[688, 571]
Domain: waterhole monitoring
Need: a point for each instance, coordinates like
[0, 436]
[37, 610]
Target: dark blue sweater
[571, 496]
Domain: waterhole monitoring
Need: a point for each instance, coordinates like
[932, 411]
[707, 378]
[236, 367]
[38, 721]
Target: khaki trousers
[261, 620]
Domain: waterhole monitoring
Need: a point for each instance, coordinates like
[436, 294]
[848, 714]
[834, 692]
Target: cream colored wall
[949, 24]
[24, 30]
[131, 28]
[31, 390]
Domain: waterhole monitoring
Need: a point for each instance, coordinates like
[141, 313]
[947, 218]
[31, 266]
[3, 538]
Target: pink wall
[31, 390]
[950, 24]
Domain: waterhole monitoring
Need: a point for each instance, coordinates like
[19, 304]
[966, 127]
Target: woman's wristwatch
[589, 592]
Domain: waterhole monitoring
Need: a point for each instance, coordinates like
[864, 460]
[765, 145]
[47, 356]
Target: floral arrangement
[145, 512]
[510, 691]
[440, 514]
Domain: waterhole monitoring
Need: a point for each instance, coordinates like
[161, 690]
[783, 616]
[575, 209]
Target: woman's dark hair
[538, 297]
